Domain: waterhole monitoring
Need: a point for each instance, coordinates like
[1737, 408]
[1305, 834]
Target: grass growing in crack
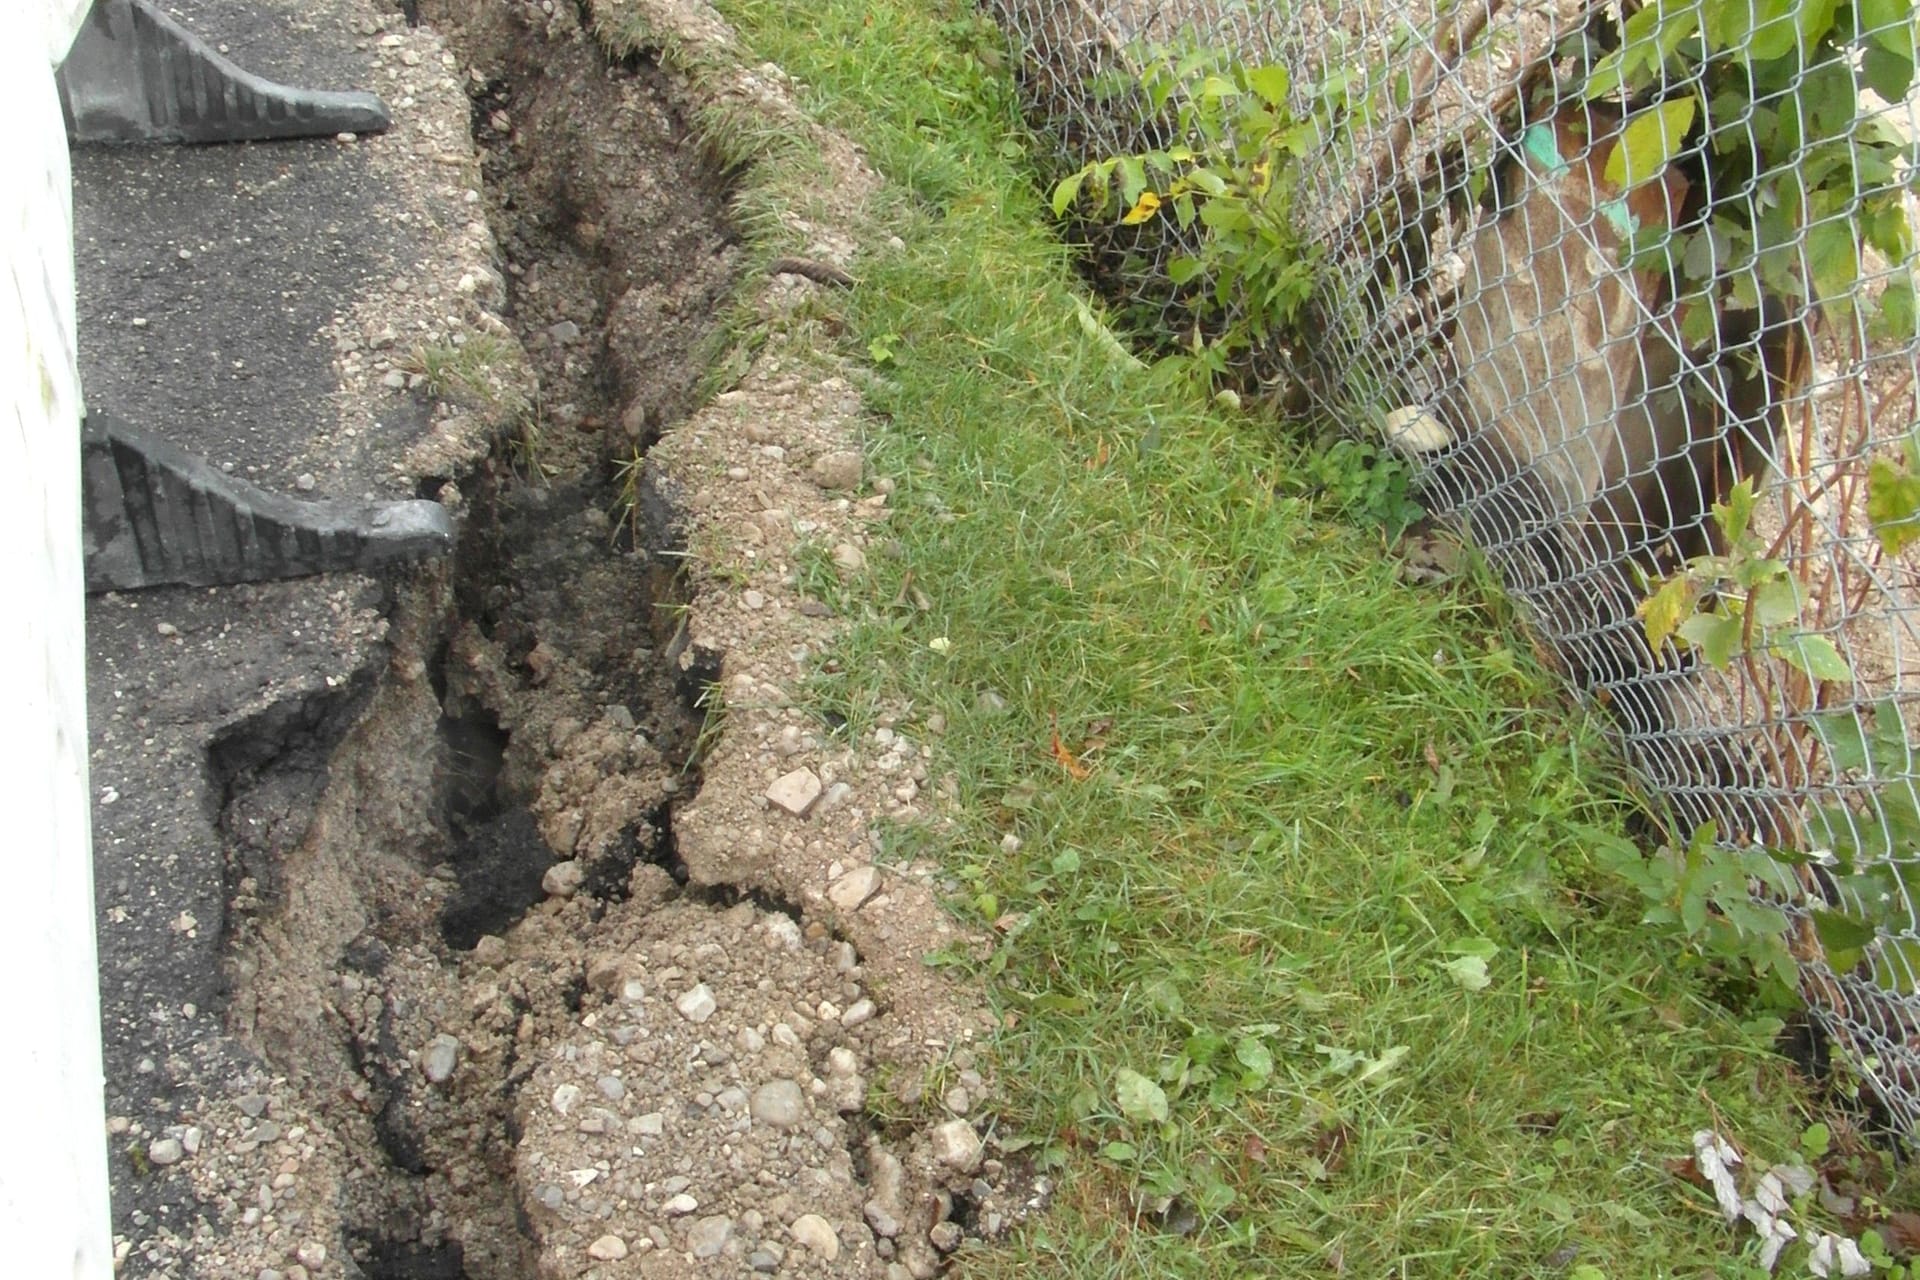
[484, 372]
[1303, 960]
[489, 375]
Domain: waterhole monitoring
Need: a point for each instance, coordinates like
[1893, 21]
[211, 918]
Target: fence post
[53, 1173]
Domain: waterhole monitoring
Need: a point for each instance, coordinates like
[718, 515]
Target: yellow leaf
[1144, 208]
[1664, 610]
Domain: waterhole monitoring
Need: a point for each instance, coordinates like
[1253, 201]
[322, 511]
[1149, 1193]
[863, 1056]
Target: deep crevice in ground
[551, 716]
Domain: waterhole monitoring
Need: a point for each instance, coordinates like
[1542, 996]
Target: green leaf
[1382, 1065]
[1066, 862]
[1253, 1054]
[1719, 638]
[1067, 192]
[1775, 603]
[1271, 82]
[1608, 77]
[1762, 30]
[1693, 913]
[1814, 655]
[1140, 1099]
[1206, 180]
[1893, 504]
[1735, 515]
[1649, 141]
[1898, 966]
[1183, 269]
[1890, 24]
[1470, 972]
[1120, 1152]
[1133, 179]
[1838, 931]
[1887, 73]
[1893, 319]
[1833, 259]
[1844, 738]
[1205, 1046]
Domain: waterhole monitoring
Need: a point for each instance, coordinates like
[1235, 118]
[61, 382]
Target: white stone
[817, 1234]
[859, 1011]
[441, 1057]
[956, 1145]
[563, 879]
[679, 1205]
[854, 888]
[709, 1235]
[1413, 430]
[698, 1004]
[795, 792]
[608, 1248]
[778, 1103]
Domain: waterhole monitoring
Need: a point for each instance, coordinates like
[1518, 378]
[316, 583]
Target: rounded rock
[881, 1219]
[442, 1056]
[778, 1103]
[956, 1145]
[563, 879]
[817, 1234]
[698, 1004]
[608, 1248]
[709, 1235]
[166, 1151]
[838, 471]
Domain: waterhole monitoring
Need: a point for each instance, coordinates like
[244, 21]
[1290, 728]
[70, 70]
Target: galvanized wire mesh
[1582, 363]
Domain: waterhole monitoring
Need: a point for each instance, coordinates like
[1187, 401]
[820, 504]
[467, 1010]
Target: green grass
[1313, 799]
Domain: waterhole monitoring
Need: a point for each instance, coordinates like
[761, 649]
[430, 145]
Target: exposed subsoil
[562, 936]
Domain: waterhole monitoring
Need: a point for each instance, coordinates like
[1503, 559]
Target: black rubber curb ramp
[154, 513]
[136, 75]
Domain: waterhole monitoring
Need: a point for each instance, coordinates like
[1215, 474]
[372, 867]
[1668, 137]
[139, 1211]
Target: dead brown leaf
[1330, 1146]
[1901, 1230]
[1068, 761]
[1540, 1122]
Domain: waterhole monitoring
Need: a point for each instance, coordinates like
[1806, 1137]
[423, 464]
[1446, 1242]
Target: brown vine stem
[1387, 161]
[1108, 36]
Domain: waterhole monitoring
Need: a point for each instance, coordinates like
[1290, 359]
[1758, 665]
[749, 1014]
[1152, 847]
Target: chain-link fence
[1631, 287]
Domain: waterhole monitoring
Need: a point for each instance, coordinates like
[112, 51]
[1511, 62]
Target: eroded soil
[560, 936]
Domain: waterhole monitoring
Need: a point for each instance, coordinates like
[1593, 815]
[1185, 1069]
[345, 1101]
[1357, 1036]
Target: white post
[53, 1171]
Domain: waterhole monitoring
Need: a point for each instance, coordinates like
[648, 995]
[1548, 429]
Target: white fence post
[53, 1172]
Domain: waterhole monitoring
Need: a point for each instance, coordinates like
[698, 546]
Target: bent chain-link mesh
[1584, 413]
